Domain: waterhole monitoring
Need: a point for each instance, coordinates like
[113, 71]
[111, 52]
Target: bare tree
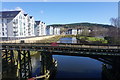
[115, 22]
[115, 32]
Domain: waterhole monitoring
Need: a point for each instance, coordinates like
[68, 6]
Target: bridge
[67, 48]
[102, 52]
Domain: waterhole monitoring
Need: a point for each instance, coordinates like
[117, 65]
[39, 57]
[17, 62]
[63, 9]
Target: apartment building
[16, 24]
[40, 28]
[12, 24]
[52, 30]
[56, 30]
[26, 24]
[49, 30]
[31, 23]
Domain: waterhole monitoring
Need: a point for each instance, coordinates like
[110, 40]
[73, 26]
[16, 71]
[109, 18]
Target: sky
[59, 0]
[67, 12]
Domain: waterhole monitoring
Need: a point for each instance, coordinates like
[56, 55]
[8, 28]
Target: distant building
[52, 30]
[56, 30]
[80, 31]
[40, 28]
[72, 31]
[49, 30]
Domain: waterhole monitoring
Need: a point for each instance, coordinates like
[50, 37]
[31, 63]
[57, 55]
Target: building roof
[37, 22]
[25, 14]
[9, 14]
[31, 17]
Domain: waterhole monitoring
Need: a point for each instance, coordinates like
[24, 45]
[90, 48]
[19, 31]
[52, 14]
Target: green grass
[93, 39]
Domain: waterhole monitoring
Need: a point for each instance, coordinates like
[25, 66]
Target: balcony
[15, 22]
[15, 27]
[15, 30]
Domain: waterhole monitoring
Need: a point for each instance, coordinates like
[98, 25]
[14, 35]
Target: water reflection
[68, 40]
[35, 60]
[81, 68]
[72, 67]
[78, 67]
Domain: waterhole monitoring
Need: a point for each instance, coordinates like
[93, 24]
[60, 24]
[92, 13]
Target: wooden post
[24, 64]
[46, 64]
[19, 65]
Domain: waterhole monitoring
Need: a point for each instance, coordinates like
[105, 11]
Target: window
[8, 20]
[2, 24]
[11, 15]
[2, 20]
[2, 29]
[0, 15]
[7, 14]
[3, 33]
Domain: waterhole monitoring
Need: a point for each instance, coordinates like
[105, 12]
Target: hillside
[80, 25]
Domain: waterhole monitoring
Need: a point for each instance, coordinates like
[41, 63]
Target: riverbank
[92, 40]
[54, 39]
[29, 40]
[41, 39]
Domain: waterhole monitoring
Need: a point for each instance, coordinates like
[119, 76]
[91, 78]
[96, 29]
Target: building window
[8, 20]
[3, 33]
[2, 29]
[7, 14]
[2, 24]
[2, 20]
[0, 15]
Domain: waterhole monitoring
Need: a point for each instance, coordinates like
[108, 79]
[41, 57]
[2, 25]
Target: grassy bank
[92, 39]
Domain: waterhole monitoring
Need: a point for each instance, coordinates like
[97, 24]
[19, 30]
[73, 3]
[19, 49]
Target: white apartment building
[52, 30]
[40, 28]
[49, 30]
[12, 24]
[31, 23]
[56, 30]
[16, 24]
[26, 25]
[73, 31]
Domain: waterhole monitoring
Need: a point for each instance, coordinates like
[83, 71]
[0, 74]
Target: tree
[115, 22]
[115, 32]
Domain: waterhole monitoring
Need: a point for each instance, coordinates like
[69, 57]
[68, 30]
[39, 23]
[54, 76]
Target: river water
[72, 67]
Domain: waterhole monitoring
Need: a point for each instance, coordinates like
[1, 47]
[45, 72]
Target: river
[72, 67]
